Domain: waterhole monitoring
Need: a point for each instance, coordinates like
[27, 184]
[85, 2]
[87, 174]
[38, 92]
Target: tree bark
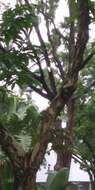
[92, 185]
[92, 181]
[26, 166]
[75, 63]
[26, 181]
[64, 155]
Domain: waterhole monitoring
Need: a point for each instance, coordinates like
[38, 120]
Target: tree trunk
[92, 181]
[25, 181]
[1, 186]
[93, 185]
[64, 156]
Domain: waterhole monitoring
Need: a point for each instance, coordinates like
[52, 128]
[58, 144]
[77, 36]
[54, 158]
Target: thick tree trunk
[75, 64]
[64, 155]
[25, 180]
[93, 185]
[92, 181]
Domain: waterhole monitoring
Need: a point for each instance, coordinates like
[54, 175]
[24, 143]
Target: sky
[75, 173]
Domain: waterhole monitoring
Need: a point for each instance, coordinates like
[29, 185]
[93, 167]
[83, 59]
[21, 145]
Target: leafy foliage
[57, 181]
[60, 181]
[15, 20]
[85, 121]
[6, 175]
[20, 117]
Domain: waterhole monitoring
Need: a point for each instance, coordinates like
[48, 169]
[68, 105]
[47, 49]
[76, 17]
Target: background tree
[84, 122]
[49, 67]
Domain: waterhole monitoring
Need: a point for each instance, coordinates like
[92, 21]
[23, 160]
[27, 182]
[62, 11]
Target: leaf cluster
[15, 20]
[20, 117]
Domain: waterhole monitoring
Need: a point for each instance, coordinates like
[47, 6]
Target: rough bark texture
[64, 155]
[76, 51]
[25, 182]
[69, 129]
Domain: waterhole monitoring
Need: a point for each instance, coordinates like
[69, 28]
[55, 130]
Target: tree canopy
[51, 63]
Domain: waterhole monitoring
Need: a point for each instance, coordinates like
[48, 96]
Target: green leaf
[60, 180]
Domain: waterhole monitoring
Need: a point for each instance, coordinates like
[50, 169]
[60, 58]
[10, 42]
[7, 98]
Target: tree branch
[72, 35]
[45, 53]
[85, 62]
[83, 35]
[54, 54]
[40, 92]
[2, 49]
[42, 77]
[48, 123]
[80, 161]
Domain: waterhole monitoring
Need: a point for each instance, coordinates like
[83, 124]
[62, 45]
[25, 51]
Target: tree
[42, 67]
[15, 114]
[84, 150]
